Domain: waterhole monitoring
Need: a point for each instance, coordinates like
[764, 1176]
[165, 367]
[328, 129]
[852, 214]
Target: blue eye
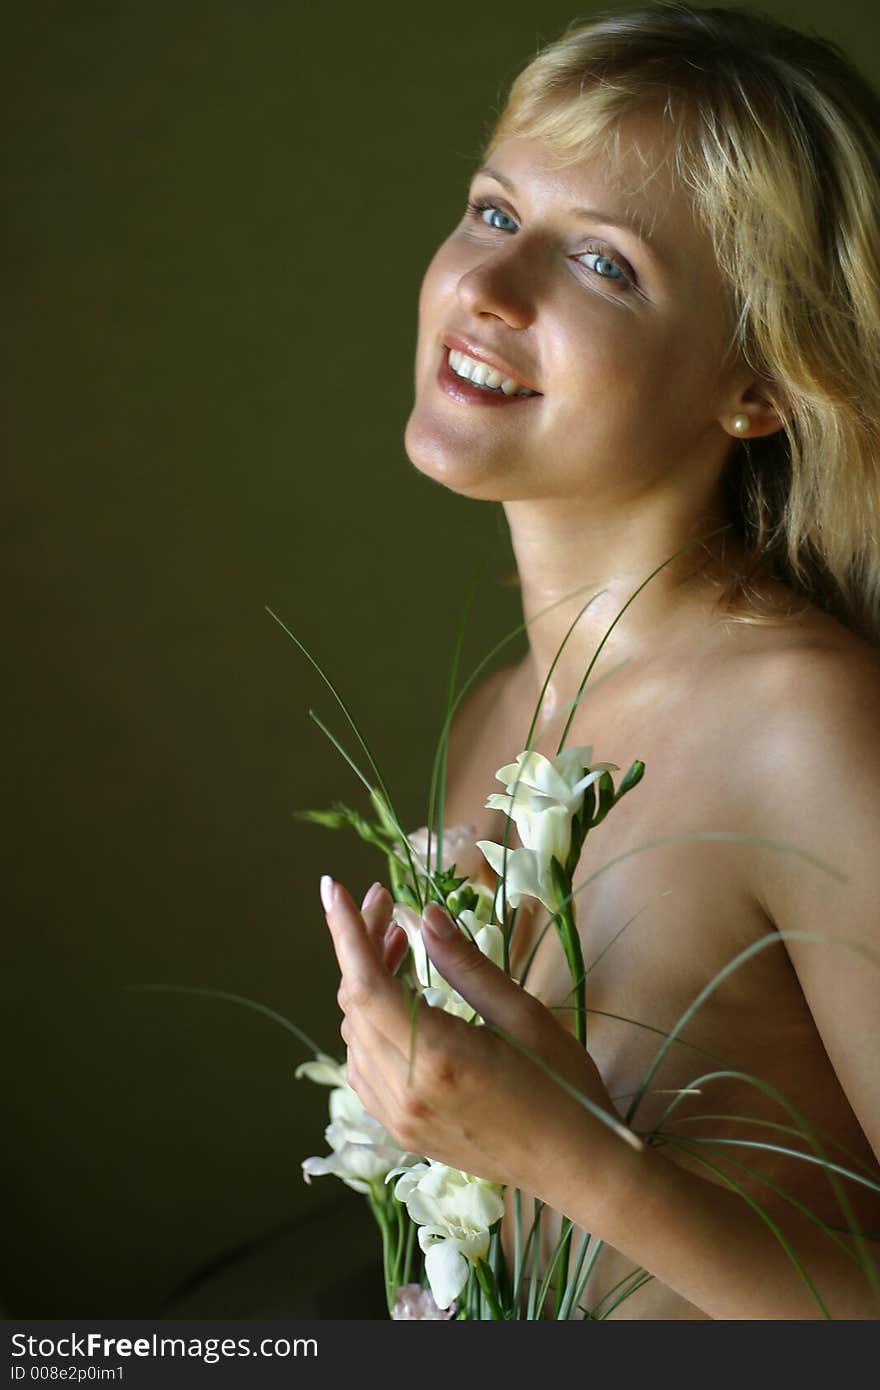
[615, 271]
[479, 208]
[605, 266]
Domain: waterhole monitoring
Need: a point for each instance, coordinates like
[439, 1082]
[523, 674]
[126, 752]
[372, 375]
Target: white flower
[324, 1070]
[362, 1151]
[545, 794]
[487, 937]
[454, 1212]
[458, 849]
[528, 874]
[415, 1304]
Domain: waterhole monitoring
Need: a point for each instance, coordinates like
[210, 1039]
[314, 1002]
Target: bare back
[660, 922]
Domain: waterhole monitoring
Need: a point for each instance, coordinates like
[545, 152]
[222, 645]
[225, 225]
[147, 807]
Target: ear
[750, 412]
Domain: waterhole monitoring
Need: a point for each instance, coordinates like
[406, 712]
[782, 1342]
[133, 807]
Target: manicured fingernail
[328, 892]
[371, 895]
[437, 922]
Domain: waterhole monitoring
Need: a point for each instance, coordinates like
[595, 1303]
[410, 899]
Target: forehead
[628, 173]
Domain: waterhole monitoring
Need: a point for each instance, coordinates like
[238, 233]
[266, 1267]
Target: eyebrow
[610, 219]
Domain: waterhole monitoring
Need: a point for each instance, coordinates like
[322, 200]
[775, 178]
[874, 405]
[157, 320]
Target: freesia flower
[415, 1304]
[527, 876]
[487, 937]
[545, 794]
[326, 1071]
[454, 1212]
[362, 1150]
[458, 849]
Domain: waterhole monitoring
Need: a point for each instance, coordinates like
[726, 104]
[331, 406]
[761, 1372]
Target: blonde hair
[776, 136]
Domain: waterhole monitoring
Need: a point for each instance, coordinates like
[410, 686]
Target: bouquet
[554, 804]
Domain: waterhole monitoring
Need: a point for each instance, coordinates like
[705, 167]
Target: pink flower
[413, 1303]
[458, 849]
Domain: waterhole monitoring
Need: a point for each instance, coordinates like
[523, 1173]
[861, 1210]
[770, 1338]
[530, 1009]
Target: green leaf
[333, 820]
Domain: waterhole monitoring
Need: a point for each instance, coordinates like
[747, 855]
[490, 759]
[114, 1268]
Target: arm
[475, 1102]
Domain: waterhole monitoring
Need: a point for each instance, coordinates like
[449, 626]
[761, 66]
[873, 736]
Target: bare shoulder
[814, 694]
[814, 761]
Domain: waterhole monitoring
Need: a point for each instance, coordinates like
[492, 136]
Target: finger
[377, 1072]
[496, 997]
[395, 946]
[366, 985]
[365, 1093]
[376, 910]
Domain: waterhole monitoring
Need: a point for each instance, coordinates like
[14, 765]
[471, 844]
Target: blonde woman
[658, 322]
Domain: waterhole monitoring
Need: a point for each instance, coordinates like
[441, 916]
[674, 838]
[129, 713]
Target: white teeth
[480, 374]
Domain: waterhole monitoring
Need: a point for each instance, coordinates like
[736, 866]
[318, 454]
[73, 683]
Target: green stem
[486, 1281]
[572, 1288]
[569, 937]
[551, 1268]
[517, 1250]
[636, 1281]
[381, 1218]
[410, 1247]
[398, 1248]
[563, 1271]
[535, 1237]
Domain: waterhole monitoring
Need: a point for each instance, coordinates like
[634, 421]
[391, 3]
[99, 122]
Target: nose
[499, 285]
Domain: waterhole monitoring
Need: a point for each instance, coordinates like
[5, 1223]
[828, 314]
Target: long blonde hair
[776, 136]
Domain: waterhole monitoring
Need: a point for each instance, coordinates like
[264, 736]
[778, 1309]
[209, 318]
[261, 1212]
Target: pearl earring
[740, 423]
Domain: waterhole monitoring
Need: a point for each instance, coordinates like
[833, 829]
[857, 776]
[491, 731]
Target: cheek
[438, 281]
[438, 297]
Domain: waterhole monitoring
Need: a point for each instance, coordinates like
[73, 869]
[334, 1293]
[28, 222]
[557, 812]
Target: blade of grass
[252, 1004]
[755, 948]
[638, 1282]
[633, 596]
[782, 1192]
[536, 1256]
[767, 1147]
[785, 1129]
[773, 1226]
[574, 1277]
[438, 769]
[607, 1119]
[810, 1136]
[684, 837]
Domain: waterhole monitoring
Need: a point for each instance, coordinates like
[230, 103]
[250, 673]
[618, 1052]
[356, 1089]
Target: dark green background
[218, 217]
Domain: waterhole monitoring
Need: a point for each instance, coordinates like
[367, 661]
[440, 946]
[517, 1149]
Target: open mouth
[468, 380]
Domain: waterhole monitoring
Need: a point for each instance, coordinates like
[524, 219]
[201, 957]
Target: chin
[451, 460]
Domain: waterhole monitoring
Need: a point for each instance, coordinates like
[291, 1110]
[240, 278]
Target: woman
[665, 293]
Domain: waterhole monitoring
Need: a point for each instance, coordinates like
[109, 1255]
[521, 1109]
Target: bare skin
[691, 714]
[768, 731]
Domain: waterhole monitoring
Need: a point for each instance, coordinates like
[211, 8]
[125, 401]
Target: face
[619, 330]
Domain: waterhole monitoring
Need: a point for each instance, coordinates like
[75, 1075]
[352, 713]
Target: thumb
[487, 988]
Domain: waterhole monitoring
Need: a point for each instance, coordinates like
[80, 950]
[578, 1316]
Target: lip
[467, 345]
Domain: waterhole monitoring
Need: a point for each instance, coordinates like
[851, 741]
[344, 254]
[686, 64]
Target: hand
[455, 1092]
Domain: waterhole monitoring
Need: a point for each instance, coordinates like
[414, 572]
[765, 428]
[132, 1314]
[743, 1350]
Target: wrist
[614, 1189]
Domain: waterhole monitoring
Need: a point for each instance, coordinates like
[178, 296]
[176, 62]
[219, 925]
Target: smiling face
[622, 329]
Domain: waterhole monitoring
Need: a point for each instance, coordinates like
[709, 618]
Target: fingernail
[371, 895]
[438, 923]
[328, 892]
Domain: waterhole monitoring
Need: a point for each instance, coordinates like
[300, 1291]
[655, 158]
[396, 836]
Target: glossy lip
[455, 340]
[464, 393]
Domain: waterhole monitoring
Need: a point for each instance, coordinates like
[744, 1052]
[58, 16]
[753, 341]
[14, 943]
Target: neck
[568, 556]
